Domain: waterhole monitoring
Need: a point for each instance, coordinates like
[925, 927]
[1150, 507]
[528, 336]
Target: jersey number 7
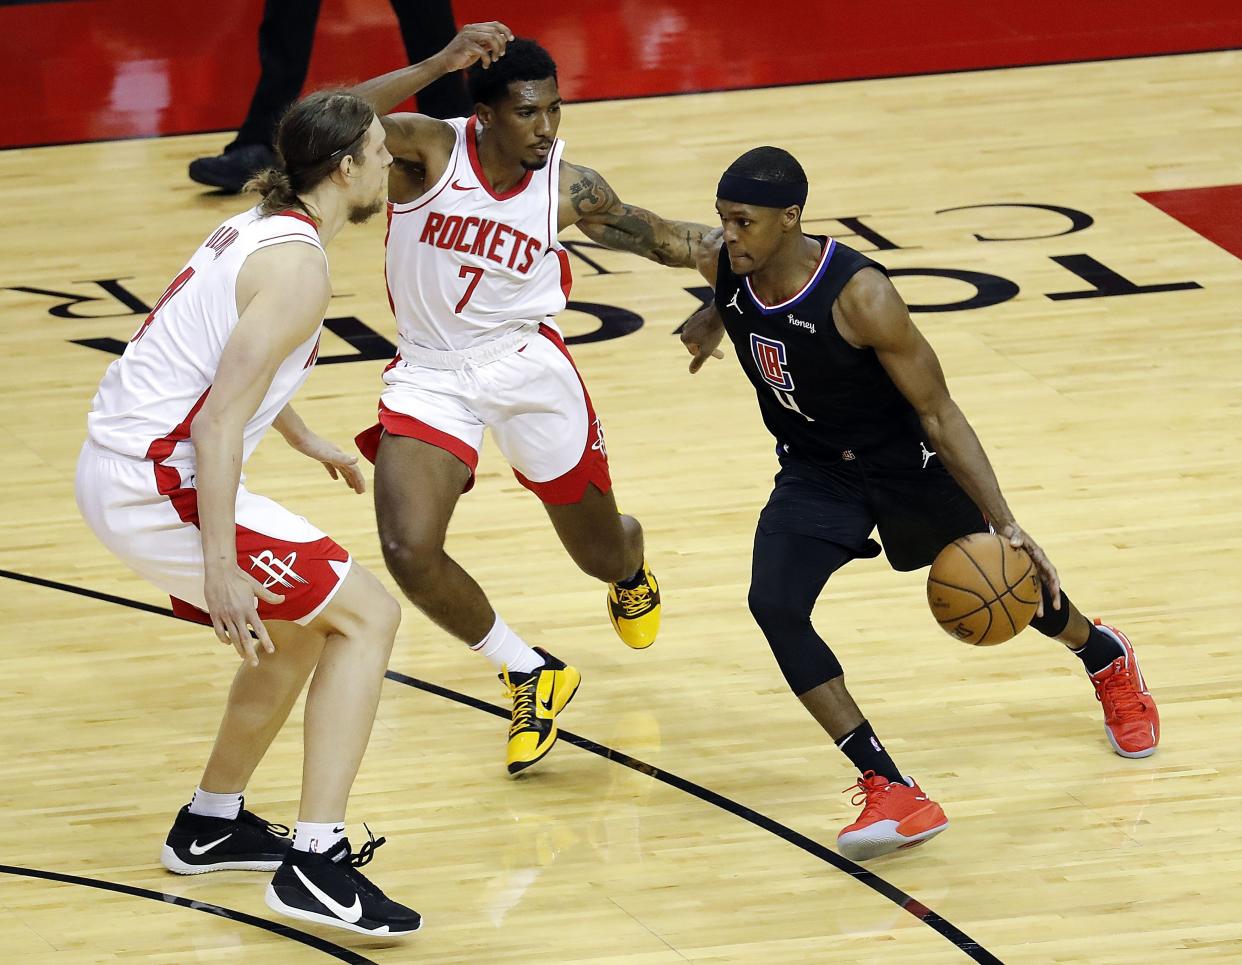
[474, 274]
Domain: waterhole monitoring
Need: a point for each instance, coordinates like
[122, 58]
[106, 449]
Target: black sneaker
[326, 888]
[231, 170]
[197, 844]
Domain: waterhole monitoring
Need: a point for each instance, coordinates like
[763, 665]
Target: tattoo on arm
[605, 218]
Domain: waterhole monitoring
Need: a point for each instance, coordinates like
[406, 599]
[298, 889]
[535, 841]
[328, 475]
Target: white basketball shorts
[147, 514]
[533, 401]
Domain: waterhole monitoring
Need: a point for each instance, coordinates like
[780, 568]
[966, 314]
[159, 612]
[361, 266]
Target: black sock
[633, 582]
[866, 753]
[1099, 651]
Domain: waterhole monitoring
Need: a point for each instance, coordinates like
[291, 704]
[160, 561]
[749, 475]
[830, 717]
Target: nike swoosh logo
[462, 187]
[198, 849]
[351, 914]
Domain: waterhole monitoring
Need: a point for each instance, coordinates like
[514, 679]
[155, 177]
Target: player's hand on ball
[475, 42]
[230, 594]
[701, 335]
[1019, 539]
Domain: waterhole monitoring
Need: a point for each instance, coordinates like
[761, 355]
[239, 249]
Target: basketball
[983, 591]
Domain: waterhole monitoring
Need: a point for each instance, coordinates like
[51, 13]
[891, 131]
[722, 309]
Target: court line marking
[942, 926]
[284, 931]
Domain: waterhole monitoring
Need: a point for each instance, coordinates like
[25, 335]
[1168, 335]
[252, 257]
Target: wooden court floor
[1113, 421]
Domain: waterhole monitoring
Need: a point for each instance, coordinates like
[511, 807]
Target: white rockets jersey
[149, 395]
[464, 264]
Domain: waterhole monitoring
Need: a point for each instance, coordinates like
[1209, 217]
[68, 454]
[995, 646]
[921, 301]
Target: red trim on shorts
[406, 426]
[188, 611]
[592, 467]
[302, 572]
[472, 152]
[168, 479]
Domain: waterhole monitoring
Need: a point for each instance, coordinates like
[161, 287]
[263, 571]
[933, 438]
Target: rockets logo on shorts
[277, 572]
[770, 358]
[597, 430]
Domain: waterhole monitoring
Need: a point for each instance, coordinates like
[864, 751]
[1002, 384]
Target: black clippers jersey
[821, 398]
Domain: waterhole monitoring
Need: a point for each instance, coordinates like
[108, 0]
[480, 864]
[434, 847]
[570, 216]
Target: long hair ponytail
[311, 139]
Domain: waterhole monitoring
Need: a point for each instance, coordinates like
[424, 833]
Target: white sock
[504, 648]
[209, 804]
[317, 838]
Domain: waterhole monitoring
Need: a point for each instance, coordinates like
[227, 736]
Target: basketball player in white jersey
[475, 277]
[211, 368]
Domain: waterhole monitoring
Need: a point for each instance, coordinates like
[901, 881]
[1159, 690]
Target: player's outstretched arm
[874, 316]
[588, 201]
[339, 463]
[474, 42]
[282, 294]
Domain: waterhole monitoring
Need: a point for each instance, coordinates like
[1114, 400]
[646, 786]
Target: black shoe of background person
[231, 170]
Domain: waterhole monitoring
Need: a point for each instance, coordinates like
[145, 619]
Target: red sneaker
[893, 816]
[1130, 716]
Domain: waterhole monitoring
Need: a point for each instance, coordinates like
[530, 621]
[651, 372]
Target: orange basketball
[981, 590]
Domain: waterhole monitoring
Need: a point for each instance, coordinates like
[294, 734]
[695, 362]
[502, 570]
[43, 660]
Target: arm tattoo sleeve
[605, 218]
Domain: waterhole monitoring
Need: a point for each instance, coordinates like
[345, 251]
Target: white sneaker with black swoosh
[198, 844]
[329, 889]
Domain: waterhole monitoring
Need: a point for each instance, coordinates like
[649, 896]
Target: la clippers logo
[770, 357]
[279, 572]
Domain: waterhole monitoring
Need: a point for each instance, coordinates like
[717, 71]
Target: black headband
[765, 194]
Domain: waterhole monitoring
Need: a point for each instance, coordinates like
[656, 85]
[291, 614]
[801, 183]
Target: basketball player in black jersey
[867, 437]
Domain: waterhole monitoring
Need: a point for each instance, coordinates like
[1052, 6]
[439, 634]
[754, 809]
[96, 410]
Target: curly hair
[523, 60]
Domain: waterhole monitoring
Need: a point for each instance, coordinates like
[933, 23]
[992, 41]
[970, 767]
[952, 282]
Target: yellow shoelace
[523, 697]
[636, 601]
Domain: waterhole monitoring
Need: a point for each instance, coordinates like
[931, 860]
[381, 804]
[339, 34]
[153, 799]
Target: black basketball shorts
[909, 496]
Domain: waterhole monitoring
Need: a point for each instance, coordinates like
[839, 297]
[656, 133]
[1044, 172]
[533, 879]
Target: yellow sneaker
[537, 698]
[635, 613]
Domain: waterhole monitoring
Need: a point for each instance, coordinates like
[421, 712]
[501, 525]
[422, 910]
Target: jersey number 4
[474, 274]
[177, 284]
[787, 400]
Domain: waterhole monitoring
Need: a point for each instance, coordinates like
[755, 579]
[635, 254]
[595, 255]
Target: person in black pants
[286, 36]
[868, 437]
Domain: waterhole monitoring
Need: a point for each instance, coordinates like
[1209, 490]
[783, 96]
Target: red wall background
[98, 69]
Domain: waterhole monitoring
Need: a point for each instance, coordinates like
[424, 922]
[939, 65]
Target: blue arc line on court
[942, 926]
[276, 928]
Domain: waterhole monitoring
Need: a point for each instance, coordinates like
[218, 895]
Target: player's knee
[776, 615]
[386, 616]
[375, 623]
[412, 560]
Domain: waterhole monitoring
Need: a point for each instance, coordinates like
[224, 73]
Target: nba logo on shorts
[770, 357]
